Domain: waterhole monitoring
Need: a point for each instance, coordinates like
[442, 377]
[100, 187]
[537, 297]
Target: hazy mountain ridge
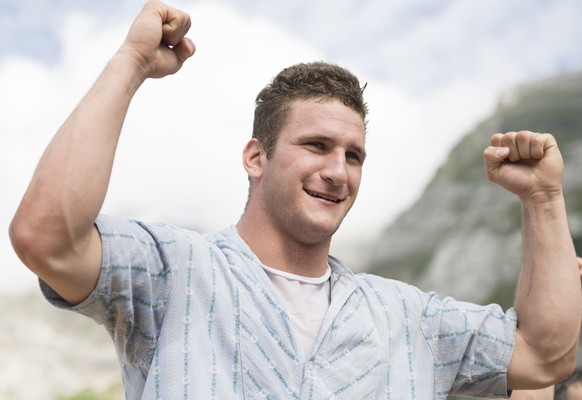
[462, 237]
[47, 353]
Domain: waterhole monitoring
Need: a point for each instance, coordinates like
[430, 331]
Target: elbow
[30, 244]
[561, 367]
[563, 364]
[23, 240]
[566, 367]
[543, 361]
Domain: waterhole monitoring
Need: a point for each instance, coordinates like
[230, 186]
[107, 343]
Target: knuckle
[522, 136]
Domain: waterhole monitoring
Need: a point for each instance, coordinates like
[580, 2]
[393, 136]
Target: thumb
[493, 157]
[501, 152]
[185, 49]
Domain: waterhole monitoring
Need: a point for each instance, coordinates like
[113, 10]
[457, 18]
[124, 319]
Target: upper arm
[81, 271]
[72, 271]
[528, 370]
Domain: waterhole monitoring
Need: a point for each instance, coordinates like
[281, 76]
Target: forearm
[53, 231]
[69, 184]
[548, 297]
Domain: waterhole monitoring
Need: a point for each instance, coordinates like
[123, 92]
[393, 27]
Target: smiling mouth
[319, 196]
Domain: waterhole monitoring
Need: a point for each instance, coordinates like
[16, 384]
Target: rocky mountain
[462, 237]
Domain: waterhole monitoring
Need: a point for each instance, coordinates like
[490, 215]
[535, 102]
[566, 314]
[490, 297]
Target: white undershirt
[306, 301]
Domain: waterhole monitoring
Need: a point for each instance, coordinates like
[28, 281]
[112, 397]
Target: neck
[278, 250]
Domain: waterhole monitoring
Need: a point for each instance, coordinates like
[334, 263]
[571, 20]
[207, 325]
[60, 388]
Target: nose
[335, 169]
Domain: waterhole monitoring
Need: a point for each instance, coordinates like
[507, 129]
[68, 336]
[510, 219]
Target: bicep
[74, 276]
[526, 369]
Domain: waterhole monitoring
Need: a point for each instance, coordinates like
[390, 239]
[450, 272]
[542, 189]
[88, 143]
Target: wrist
[541, 197]
[131, 68]
[544, 206]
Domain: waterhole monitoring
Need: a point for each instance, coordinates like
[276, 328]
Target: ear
[253, 158]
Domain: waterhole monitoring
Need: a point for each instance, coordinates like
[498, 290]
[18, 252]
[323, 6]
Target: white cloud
[422, 45]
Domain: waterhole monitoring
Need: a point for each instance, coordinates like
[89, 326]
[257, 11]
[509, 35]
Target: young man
[260, 309]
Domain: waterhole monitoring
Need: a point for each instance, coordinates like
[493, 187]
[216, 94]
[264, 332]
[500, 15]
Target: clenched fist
[157, 40]
[525, 163]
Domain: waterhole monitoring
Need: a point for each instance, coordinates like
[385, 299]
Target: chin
[323, 231]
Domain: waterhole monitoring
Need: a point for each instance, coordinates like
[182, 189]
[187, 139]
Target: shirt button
[310, 365]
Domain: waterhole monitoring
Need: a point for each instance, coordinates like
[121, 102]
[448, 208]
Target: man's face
[312, 179]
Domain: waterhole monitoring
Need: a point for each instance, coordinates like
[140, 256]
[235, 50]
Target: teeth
[321, 197]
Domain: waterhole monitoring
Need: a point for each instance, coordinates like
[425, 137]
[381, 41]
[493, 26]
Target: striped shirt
[196, 317]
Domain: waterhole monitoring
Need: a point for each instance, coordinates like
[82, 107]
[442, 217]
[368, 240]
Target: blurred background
[441, 78]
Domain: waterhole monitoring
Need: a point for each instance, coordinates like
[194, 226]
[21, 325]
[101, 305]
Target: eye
[354, 156]
[318, 145]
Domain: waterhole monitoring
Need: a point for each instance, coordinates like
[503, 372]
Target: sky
[433, 70]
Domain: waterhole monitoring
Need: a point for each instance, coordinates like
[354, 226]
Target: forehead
[324, 117]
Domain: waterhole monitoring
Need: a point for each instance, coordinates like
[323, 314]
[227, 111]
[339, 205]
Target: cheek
[355, 178]
[307, 162]
[302, 167]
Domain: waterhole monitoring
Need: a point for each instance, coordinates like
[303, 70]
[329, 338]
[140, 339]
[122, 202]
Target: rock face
[462, 237]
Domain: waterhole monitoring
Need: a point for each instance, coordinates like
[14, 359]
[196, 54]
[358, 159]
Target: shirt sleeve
[133, 286]
[471, 344]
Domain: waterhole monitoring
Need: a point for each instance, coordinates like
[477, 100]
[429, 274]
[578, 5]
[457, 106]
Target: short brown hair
[317, 80]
